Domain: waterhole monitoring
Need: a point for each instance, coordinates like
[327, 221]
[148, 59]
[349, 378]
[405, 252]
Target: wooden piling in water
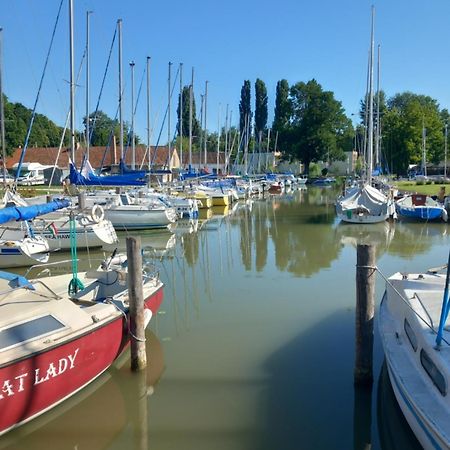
[136, 299]
[365, 307]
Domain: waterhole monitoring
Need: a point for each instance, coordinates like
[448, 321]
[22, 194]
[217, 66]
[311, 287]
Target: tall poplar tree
[245, 110]
[260, 107]
[184, 115]
[282, 107]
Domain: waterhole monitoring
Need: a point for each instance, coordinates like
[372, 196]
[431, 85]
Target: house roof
[47, 156]
[198, 158]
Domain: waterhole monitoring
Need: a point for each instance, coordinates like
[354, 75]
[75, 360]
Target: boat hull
[35, 384]
[421, 213]
[128, 219]
[26, 252]
[423, 406]
[91, 236]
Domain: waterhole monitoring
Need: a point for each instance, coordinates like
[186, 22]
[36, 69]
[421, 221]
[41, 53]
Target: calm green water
[254, 345]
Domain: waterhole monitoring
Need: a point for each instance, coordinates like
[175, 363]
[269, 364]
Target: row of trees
[309, 125]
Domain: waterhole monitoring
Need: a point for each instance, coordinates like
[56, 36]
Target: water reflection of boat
[185, 226]
[94, 417]
[393, 429]
[154, 242]
[380, 234]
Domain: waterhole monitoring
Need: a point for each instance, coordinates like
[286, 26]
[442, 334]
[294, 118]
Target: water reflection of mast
[206, 272]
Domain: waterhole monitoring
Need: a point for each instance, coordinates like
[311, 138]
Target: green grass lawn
[427, 189]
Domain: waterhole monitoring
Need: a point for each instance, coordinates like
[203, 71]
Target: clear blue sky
[226, 43]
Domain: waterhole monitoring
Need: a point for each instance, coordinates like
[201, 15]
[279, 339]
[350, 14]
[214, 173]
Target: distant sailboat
[366, 204]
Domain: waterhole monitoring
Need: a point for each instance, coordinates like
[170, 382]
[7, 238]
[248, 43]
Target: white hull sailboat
[366, 204]
[125, 214]
[23, 252]
[91, 227]
[416, 340]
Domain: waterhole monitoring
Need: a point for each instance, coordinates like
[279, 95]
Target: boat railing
[46, 265]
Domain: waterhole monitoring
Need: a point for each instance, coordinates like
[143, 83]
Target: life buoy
[97, 213]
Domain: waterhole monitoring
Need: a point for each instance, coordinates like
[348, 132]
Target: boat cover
[18, 213]
[367, 198]
[87, 178]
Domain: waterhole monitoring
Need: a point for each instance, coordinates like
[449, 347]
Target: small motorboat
[420, 207]
[415, 333]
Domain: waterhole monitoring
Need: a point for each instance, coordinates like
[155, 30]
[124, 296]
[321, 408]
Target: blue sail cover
[91, 179]
[124, 169]
[30, 212]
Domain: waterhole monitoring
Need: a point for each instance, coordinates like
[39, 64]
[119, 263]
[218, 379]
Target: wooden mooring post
[136, 299]
[365, 307]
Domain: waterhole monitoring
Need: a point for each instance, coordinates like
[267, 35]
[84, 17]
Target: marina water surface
[254, 345]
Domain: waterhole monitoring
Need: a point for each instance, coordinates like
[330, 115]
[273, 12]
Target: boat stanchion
[365, 306]
[136, 299]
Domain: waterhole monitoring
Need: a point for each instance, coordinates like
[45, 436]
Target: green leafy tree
[102, 128]
[282, 107]
[406, 117]
[44, 132]
[184, 116]
[319, 128]
[282, 114]
[245, 110]
[260, 107]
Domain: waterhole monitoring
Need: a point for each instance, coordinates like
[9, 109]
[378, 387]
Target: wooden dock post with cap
[136, 299]
[365, 307]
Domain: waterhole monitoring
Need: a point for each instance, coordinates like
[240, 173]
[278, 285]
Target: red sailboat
[53, 344]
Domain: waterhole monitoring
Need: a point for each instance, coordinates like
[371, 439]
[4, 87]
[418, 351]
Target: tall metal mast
[370, 136]
[180, 118]
[445, 150]
[72, 84]
[133, 142]
[119, 28]
[169, 82]
[148, 112]
[191, 108]
[206, 131]
[88, 132]
[2, 110]
[378, 130]
[202, 100]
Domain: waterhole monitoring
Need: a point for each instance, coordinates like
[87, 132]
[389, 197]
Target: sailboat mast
[180, 117]
[169, 82]
[72, 80]
[88, 132]
[148, 112]
[133, 146]
[206, 132]
[2, 110]
[200, 146]
[191, 107]
[370, 136]
[445, 150]
[218, 140]
[424, 152]
[119, 27]
[378, 130]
